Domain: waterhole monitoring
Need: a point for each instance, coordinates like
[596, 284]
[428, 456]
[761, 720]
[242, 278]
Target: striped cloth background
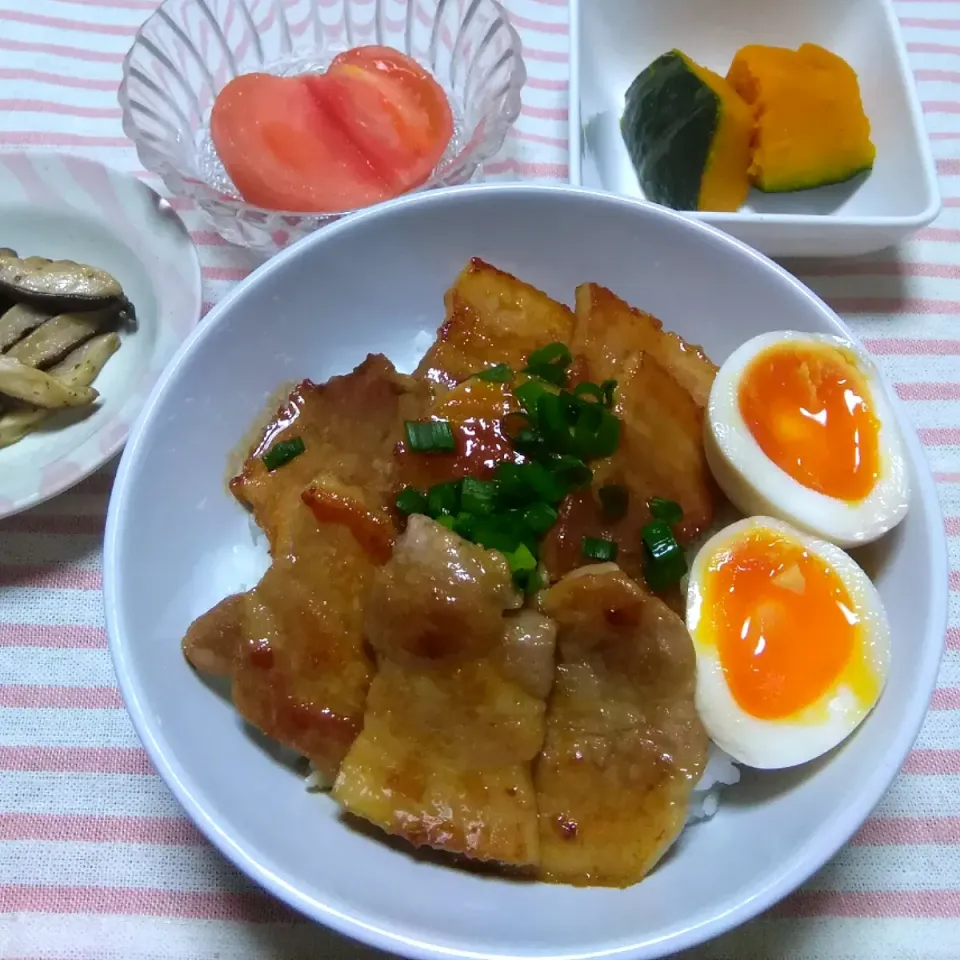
[98, 861]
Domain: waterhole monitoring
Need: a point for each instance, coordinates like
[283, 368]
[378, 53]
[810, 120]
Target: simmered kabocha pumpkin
[688, 134]
[811, 128]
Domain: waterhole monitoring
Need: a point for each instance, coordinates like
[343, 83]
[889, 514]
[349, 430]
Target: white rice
[315, 779]
[720, 772]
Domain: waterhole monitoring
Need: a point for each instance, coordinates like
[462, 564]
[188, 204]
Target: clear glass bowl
[188, 50]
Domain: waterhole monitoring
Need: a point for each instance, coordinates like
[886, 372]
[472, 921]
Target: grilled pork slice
[349, 426]
[624, 745]
[492, 317]
[610, 333]
[455, 714]
[662, 386]
[294, 645]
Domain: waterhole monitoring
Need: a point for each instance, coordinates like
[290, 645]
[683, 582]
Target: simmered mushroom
[60, 283]
[56, 337]
[19, 320]
[21, 382]
[78, 369]
[56, 316]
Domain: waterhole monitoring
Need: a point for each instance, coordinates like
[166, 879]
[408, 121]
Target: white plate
[611, 41]
[64, 207]
[176, 542]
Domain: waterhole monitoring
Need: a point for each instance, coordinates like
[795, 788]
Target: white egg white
[756, 485]
[774, 744]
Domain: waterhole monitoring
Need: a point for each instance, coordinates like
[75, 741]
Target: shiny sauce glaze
[475, 410]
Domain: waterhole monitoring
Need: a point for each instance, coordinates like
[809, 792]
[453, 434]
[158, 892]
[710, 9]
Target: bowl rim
[167, 171]
[919, 137]
[779, 883]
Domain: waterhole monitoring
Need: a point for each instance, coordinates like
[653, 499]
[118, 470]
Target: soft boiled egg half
[799, 427]
[792, 643]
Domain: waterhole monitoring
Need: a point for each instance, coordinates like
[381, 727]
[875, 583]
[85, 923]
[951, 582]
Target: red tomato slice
[284, 152]
[369, 121]
[422, 110]
[374, 125]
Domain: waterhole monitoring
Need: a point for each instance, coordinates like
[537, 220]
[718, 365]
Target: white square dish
[611, 41]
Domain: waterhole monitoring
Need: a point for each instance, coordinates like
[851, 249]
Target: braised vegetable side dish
[688, 133]
[781, 120]
[58, 328]
[479, 624]
[811, 129]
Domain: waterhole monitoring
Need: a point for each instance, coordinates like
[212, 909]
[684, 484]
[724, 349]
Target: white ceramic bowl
[176, 542]
[65, 207]
[611, 41]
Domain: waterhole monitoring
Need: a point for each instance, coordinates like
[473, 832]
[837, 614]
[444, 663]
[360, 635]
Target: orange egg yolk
[785, 629]
[808, 406]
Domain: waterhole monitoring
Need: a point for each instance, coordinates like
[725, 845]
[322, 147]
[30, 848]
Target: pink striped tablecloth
[96, 858]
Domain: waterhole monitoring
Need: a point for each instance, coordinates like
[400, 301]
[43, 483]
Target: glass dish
[188, 50]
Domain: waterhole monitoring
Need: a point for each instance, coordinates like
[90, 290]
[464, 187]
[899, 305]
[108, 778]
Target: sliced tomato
[374, 125]
[421, 109]
[284, 152]
[369, 121]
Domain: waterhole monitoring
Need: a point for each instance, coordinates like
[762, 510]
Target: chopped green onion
[572, 407]
[597, 548]
[530, 581]
[411, 500]
[525, 483]
[552, 420]
[498, 373]
[523, 566]
[669, 511]
[665, 562]
[464, 524]
[543, 483]
[589, 421]
[549, 480]
[572, 472]
[608, 387]
[518, 429]
[430, 436]
[614, 501]
[509, 478]
[550, 363]
[540, 517]
[575, 426]
[591, 392]
[596, 434]
[521, 559]
[513, 423]
[283, 452]
[478, 496]
[446, 521]
[605, 439]
[496, 533]
[529, 395]
[524, 532]
[555, 352]
[444, 498]
[528, 442]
